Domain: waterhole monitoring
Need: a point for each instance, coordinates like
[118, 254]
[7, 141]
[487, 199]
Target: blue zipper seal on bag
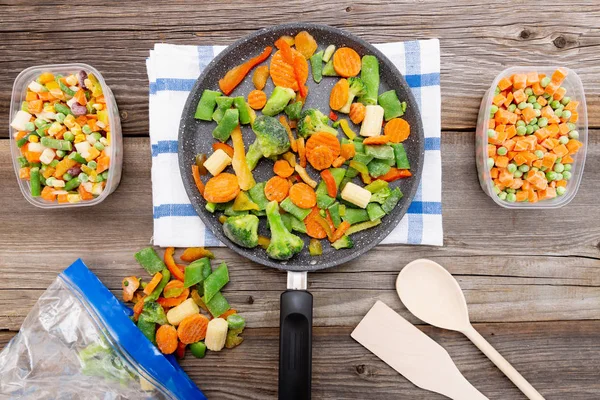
[115, 316]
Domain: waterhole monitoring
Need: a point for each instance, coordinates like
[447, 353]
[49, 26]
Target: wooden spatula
[412, 353]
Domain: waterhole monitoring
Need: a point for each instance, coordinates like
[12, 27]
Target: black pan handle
[295, 345]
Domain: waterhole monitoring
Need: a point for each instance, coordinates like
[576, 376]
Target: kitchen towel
[172, 72]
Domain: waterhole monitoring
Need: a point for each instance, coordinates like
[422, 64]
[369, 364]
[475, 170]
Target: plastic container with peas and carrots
[531, 138]
[66, 136]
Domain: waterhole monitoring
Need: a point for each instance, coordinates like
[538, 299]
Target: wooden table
[531, 278]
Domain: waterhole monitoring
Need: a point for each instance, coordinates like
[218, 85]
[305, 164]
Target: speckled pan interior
[195, 137]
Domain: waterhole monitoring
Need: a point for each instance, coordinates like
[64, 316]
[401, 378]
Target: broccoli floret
[313, 121]
[153, 312]
[357, 88]
[242, 230]
[271, 135]
[283, 244]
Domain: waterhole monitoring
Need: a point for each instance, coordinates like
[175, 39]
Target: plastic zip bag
[78, 342]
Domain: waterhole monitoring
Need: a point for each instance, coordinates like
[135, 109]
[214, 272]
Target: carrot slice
[397, 130]
[305, 44]
[346, 62]
[313, 227]
[282, 73]
[223, 146]
[221, 188]
[283, 169]
[277, 189]
[257, 99]
[166, 339]
[348, 151]
[339, 94]
[321, 157]
[338, 162]
[234, 76]
[383, 139]
[288, 129]
[301, 152]
[192, 329]
[197, 180]
[323, 139]
[260, 76]
[195, 253]
[303, 195]
[357, 112]
[174, 301]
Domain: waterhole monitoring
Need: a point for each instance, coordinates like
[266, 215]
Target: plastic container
[116, 144]
[575, 91]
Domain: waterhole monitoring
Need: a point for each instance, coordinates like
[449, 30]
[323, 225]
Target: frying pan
[295, 351]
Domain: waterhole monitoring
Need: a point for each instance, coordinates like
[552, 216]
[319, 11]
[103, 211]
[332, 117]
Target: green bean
[57, 144]
[61, 108]
[34, 182]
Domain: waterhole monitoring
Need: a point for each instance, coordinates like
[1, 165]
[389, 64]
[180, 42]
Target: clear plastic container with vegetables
[66, 136]
[531, 138]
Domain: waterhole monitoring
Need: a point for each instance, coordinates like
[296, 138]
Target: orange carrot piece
[313, 228]
[195, 253]
[35, 106]
[153, 283]
[176, 272]
[357, 112]
[282, 73]
[504, 84]
[377, 140]
[519, 81]
[260, 77]
[84, 194]
[192, 329]
[30, 96]
[346, 62]
[196, 175]
[223, 146]
[48, 193]
[221, 188]
[283, 169]
[559, 76]
[321, 157]
[234, 76]
[257, 99]
[288, 129]
[339, 94]
[340, 231]
[301, 152]
[227, 313]
[303, 195]
[306, 44]
[323, 139]
[572, 105]
[519, 96]
[277, 189]
[338, 162]
[166, 339]
[348, 151]
[174, 301]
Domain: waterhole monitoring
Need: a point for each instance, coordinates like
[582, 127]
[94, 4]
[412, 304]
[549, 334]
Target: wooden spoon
[432, 294]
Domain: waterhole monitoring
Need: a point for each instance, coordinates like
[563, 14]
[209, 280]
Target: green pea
[510, 191]
[528, 129]
[518, 174]
[497, 90]
[105, 175]
[69, 136]
[550, 176]
[83, 177]
[521, 130]
[512, 168]
[30, 126]
[535, 127]
[563, 140]
[574, 135]
[567, 175]
[524, 168]
[565, 100]
[67, 177]
[491, 133]
[559, 159]
[543, 169]
[61, 153]
[539, 154]
[99, 146]
[537, 112]
[531, 99]
[559, 176]
[568, 167]
[537, 106]
[522, 105]
[60, 118]
[558, 167]
[554, 104]
[558, 113]
[496, 189]
[97, 135]
[567, 114]
[39, 122]
[571, 126]
[511, 197]
[502, 151]
[53, 163]
[520, 123]
[528, 91]
[533, 121]
[92, 164]
[502, 195]
[560, 190]
[493, 109]
[545, 82]
[86, 129]
[542, 122]
[535, 169]
[490, 162]
[512, 107]
[99, 178]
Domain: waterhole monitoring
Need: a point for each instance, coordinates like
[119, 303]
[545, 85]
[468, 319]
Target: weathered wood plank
[561, 359]
[477, 41]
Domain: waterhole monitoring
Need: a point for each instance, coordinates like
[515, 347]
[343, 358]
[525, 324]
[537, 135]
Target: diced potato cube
[217, 162]
[182, 311]
[371, 125]
[216, 334]
[356, 195]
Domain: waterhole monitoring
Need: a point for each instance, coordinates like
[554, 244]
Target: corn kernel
[76, 129]
[98, 106]
[86, 169]
[34, 139]
[70, 121]
[73, 198]
[54, 128]
[52, 85]
[92, 176]
[48, 108]
[71, 80]
[79, 138]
